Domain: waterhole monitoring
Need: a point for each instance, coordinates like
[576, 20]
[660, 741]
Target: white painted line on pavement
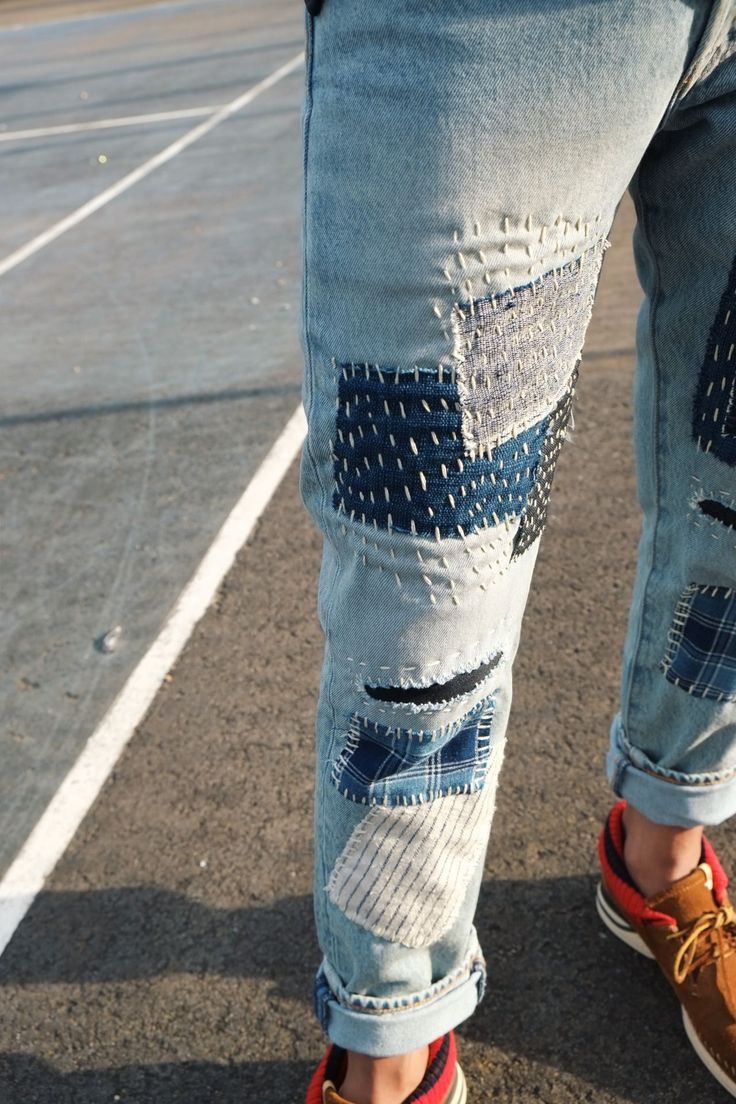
[87, 209]
[108, 124]
[74, 797]
[108, 14]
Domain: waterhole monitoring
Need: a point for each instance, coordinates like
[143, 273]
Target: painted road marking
[89, 208]
[65, 812]
[108, 124]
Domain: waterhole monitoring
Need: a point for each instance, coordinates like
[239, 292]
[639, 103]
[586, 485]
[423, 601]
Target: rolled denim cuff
[386, 1027]
[666, 796]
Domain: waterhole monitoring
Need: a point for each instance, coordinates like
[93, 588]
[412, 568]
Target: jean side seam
[654, 299]
[319, 508]
[700, 65]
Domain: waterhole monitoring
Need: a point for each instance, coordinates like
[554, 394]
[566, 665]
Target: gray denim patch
[517, 350]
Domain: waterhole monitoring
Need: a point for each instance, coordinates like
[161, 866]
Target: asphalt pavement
[150, 355]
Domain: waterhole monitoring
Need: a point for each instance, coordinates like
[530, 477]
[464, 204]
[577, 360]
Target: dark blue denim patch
[380, 765]
[714, 408]
[399, 459]
[701, 657]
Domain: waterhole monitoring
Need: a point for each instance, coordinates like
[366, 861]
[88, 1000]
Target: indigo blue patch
[399, 460]
[393, 766]
[701, 657]
[440, 692]
[714, 409]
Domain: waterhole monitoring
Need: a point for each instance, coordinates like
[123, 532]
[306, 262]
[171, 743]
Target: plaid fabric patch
[701, 656]
[393, 766]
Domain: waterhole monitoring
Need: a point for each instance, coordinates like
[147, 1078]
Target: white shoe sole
[458, 1090]
[623, 931]
[618, 926]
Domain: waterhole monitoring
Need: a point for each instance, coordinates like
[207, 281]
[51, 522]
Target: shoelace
[722, 924]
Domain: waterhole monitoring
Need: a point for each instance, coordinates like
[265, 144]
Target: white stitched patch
[517, 349]
[404, 870]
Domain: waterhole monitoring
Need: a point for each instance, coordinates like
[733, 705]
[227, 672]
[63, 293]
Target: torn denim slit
[436, 693]
[719, 511]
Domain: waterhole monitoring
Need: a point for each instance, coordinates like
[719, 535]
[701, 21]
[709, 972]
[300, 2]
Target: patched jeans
[463, 161]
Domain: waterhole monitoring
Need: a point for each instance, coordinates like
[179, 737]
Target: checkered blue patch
[394, 766]
[701, 656]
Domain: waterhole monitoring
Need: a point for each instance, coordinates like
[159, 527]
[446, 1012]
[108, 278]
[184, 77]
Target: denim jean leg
[673, 741]
[463, 164]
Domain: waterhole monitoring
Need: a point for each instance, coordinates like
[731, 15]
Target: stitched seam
[451, 981]
[674, 635]
[699, 66]
[642, 215]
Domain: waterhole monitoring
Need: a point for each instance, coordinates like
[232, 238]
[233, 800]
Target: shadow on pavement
[562, 993]
[31, 1080]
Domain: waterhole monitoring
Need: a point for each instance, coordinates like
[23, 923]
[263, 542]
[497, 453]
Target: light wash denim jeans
[463, 161]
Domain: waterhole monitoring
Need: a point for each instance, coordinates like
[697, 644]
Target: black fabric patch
[461, 684]
[714, 409]
[717, 510]
[535, 512]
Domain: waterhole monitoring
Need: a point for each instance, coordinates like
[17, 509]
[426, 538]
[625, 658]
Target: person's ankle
[383, 1080]
[656, 855]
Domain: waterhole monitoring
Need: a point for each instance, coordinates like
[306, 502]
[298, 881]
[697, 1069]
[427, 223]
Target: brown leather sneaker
[690, 929]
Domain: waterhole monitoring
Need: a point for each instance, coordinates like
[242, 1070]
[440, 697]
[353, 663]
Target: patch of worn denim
[393, 766]
[701, 656]
[714, 408]
[517, 350]
[404, 869]
[382, 636]
[399, 461]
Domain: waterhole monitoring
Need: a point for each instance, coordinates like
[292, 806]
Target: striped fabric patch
[701, 655]
[517, 349]
[404, 870]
